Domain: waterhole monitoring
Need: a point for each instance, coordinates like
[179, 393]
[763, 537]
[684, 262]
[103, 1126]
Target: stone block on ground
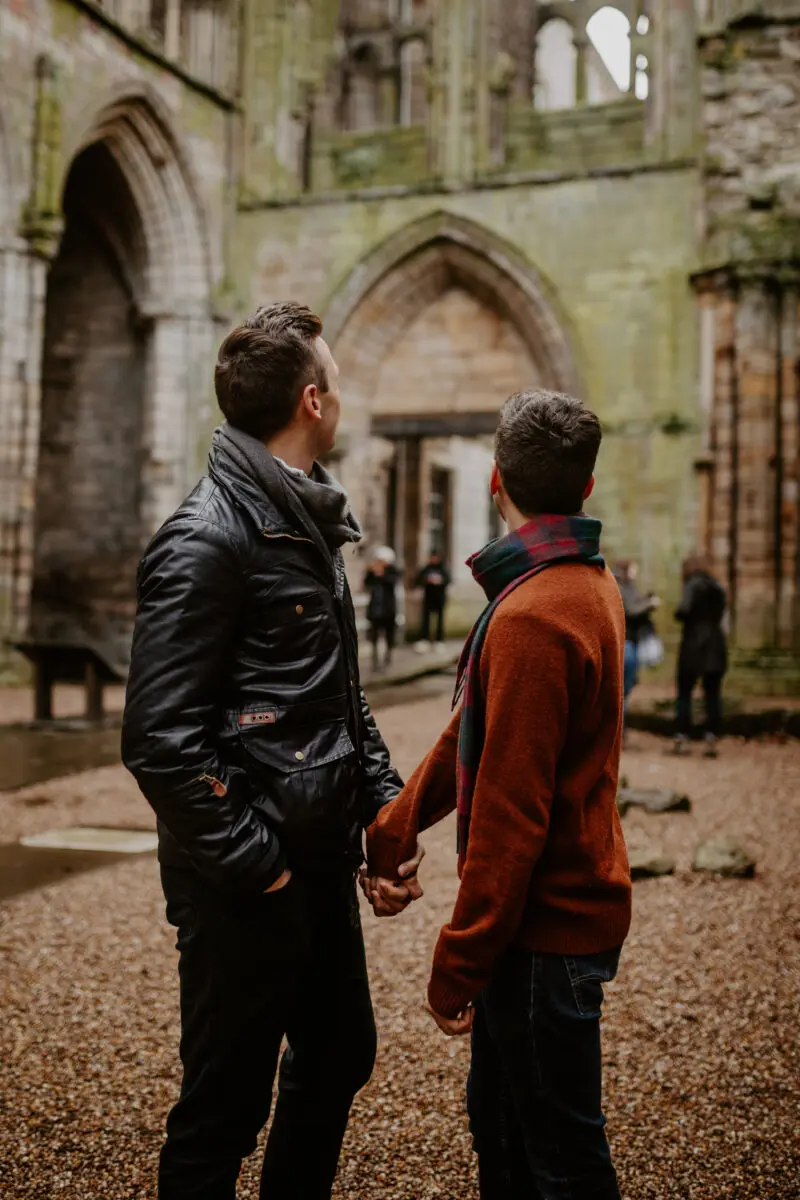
[652, 800]
[724, 856]
[646, 864]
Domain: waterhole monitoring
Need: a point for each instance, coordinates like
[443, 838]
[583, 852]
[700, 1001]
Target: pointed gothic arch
[432, 331]
[431, 254]
[128, 337]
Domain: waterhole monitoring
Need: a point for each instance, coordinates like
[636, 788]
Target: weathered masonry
[748, 288]
[478, 195]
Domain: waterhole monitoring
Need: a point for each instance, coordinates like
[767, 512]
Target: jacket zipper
[346, 641]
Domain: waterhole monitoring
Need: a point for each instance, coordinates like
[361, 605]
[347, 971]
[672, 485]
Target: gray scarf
[318, 502]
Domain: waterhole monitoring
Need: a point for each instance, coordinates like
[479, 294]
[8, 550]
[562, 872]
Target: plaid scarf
[500, 568]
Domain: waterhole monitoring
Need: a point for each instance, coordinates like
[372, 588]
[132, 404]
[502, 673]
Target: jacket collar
[250, 497]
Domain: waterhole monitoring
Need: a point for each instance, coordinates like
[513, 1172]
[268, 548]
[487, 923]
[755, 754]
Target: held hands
[454, 1026]
[388, 898]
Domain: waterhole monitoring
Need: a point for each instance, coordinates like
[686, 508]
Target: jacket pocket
[301, 764]
[287, 749]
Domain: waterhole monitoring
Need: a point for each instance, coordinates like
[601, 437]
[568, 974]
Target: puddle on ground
[32, 753]
[98, 838]
[27, 868]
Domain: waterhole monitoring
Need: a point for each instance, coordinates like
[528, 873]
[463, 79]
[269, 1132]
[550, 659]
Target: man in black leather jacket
[247, 730]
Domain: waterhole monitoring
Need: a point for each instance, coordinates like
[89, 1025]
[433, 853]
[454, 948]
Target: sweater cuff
[383, 853]
[445, 996]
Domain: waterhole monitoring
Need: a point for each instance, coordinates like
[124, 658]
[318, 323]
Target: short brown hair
[264, 365]
[546, 450]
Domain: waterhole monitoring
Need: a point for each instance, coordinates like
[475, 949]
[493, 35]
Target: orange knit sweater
[546, 866]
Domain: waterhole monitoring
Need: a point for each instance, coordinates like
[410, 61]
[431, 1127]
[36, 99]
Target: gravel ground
[703, 1097]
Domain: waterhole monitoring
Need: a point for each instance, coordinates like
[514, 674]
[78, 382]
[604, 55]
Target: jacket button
[299, 756]
[299, 610]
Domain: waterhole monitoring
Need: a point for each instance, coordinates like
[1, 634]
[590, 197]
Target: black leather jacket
[245, 724]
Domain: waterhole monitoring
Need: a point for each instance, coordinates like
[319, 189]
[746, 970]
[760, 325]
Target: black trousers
[288, 963]
[712, 689]
[430, 614]
[388, 630]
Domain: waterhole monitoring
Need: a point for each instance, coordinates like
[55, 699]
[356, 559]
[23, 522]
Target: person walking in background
[381, 583]
[638, 620]
[434, 579]
[703, 653]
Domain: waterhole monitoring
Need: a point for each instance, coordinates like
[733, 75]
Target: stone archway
[127, 329]
[432, 332]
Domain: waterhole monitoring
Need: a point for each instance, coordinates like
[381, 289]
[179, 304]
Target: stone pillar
[723, 443]
[788, 599]
[705, 463]
[412, 507]
[22, 288]
[674, 100]
[757, 385]
[166, 440]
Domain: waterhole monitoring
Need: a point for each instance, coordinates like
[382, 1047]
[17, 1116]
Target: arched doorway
[432, 333]
[127, 331]
[89, 530]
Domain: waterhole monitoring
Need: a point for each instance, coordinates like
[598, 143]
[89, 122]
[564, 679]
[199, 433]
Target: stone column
[757, 358]
[674, 99]
[705, 463]
[723, 442]
[788, 599]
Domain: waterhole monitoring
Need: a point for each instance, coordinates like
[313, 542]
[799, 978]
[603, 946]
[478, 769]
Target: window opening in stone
[575, 67]
[642, 79]
[556, 71]
[158, 19]
[609, 31]
[413, 82]
[364, 90]
[204, 39]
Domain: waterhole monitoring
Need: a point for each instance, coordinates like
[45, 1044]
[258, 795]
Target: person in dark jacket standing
[381, 583]
[434, 579]
[246, 729]
[703, 653]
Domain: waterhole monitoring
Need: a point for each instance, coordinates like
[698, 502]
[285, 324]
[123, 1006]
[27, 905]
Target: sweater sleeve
[428, 797]
[526, 720]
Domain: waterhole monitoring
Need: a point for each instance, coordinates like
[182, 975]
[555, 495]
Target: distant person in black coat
[381, 583]
[434, 579]
[703, 653]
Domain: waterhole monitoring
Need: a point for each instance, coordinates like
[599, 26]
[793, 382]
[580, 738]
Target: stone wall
[621, 292]
[750, 345]
[75, 76]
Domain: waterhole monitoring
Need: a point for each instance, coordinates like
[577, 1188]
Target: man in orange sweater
[530, 760]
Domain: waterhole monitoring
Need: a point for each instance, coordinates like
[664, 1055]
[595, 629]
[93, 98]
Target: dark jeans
[534, 1092]
[712, 689]
[251, 971]
[432, 614]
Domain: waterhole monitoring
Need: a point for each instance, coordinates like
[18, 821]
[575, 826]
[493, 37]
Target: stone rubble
[723, 856]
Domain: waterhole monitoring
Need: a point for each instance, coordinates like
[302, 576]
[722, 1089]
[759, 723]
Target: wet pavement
[33, 754]
[27, 868]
